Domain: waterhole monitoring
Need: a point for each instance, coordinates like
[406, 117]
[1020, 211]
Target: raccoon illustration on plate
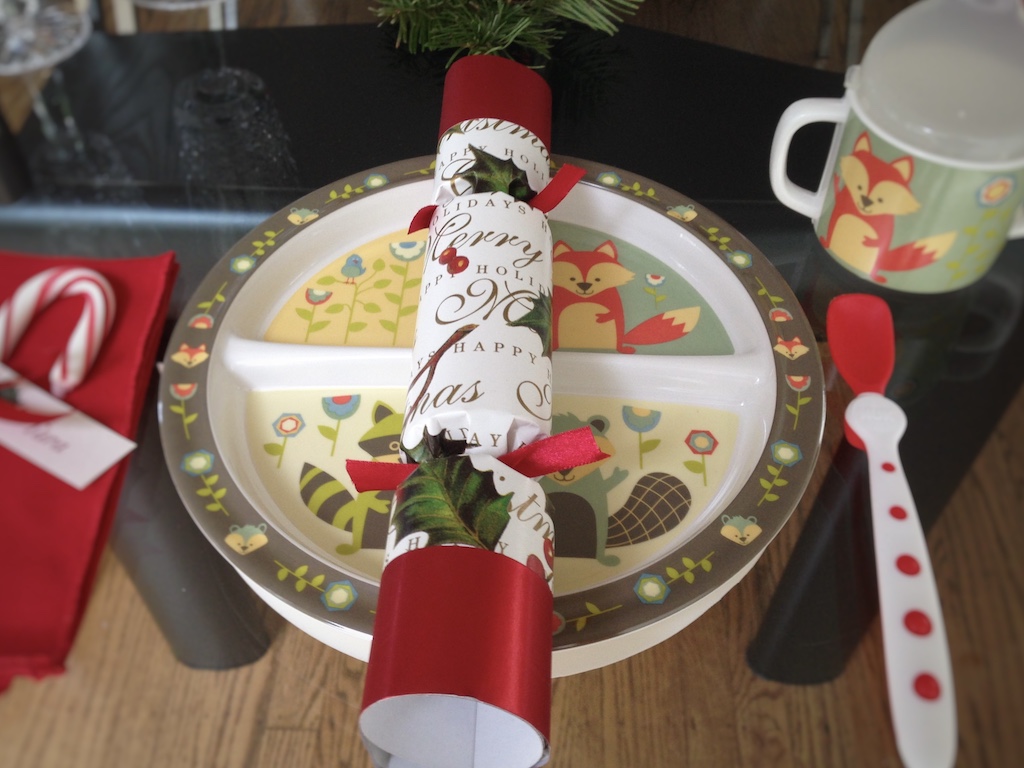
[365, 515]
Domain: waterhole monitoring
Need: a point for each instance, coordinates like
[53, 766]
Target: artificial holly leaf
[492, 174]
[441, 445]
[538, 319]
[453, 502]
[436, 447]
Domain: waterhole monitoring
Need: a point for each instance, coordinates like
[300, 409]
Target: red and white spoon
[918, 669]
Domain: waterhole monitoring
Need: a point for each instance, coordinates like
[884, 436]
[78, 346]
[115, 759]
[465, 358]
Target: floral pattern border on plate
[703, 563]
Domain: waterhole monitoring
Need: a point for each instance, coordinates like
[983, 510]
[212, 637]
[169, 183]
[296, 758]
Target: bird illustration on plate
[353, 268]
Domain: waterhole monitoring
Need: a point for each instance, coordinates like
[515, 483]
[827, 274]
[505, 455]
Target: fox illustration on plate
[588, 311]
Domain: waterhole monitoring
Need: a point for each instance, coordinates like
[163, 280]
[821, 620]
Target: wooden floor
[691, 701]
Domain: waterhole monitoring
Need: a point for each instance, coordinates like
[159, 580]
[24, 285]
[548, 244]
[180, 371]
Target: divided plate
[294, 355]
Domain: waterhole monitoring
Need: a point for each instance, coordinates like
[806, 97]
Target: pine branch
[514, 28]
[602, 15]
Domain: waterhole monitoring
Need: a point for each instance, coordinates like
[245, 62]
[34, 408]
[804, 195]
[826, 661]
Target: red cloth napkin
[53, 535]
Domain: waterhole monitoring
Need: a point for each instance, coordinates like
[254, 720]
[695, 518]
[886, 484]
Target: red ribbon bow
[551, 454]
[544, 201]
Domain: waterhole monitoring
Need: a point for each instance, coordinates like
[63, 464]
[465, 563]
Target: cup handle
[1017, 225]
[796, 116]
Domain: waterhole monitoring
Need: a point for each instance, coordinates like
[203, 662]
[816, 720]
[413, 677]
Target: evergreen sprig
[524, 30]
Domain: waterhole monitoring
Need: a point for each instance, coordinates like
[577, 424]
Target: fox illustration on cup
[863, 222]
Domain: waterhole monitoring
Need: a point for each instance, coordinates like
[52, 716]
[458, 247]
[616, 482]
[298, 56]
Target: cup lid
[947, 77]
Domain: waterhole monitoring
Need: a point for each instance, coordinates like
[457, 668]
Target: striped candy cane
[38, 292]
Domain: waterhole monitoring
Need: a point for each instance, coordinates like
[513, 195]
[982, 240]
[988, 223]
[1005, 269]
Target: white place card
[71, 446]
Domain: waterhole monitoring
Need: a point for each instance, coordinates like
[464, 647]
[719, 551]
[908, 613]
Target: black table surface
[694, 117]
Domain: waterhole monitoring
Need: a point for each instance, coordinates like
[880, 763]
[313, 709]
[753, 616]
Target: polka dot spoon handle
[918, 669]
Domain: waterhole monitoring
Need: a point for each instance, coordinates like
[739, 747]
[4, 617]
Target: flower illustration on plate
[740, 259]
[242, 264]
[408, 250]
[784, 454]
[702, 443]
[286, 426]
[314, 297]
[375, 181]
[651, 589]
[798, 384]
[202, 321]
[651, 289]
[609, 178]
[289, 425]
[996, 190]
[338, 407]
[641, 421]
[557, 622]
[190, 357]
[341, 406]
[184, 391]
[339, 596]
[200, 464]
[197, 463]
[181, 393]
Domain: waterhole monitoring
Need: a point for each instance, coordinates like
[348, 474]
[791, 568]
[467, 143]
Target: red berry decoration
[549, 552]
[447, 255]
[534, 564]
[458, 264]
